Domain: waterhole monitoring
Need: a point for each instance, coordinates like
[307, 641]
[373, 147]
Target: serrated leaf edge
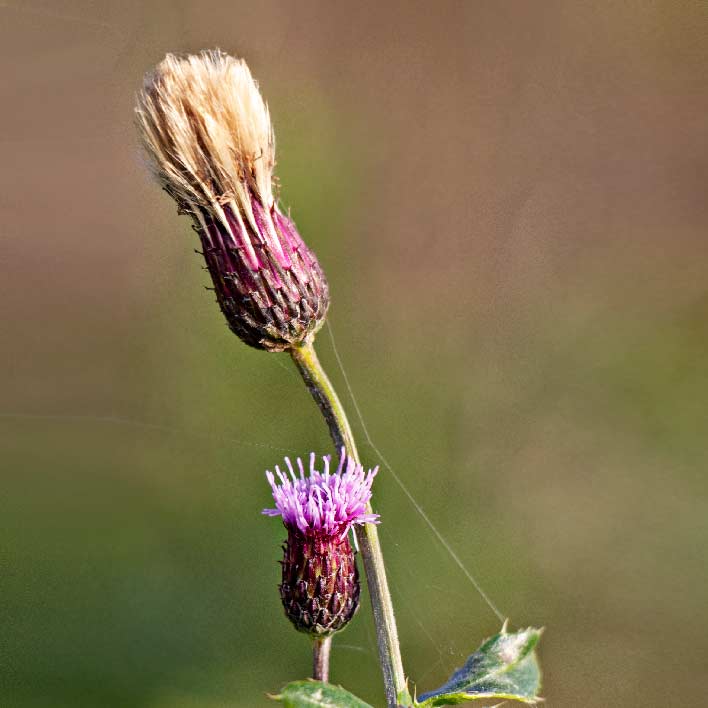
[534, 639]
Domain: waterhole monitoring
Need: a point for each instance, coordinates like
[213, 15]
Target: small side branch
[321, 648]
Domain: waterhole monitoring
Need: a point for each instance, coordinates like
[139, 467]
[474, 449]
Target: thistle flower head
[322, 503]
[207, 133]
[320, 582]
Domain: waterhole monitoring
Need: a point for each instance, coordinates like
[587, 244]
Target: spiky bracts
[207, 133]
[320, 582]
[320, 585]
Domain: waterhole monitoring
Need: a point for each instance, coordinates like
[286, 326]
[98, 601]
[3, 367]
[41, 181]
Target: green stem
[367, 535]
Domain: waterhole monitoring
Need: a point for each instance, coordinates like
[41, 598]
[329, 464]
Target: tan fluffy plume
[207, 131]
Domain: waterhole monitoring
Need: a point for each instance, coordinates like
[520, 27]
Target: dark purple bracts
[268, 284]
[320, 583]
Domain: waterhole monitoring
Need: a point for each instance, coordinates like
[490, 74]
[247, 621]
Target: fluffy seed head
[207, 130]
[207, 133]
[323, 504]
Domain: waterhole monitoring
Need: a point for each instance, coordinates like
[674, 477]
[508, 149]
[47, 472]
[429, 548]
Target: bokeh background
[509, 199]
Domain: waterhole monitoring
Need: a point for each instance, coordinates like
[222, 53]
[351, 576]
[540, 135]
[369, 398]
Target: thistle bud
[208, 136]
[320, 582]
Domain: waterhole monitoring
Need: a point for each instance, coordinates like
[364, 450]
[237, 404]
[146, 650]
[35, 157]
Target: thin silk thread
[419, 509]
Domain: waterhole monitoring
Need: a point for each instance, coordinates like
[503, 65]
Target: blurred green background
[509, 199]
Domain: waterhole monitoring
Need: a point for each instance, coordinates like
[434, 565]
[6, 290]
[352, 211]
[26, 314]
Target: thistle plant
[208, 137]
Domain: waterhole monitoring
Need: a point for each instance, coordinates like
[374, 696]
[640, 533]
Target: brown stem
[321, 648]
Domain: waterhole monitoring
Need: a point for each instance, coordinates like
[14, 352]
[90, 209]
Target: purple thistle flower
[324, 503]
[320, 582]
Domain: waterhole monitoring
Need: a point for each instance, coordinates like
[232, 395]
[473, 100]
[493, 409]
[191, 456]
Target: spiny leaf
[316, 694]
[504, 667]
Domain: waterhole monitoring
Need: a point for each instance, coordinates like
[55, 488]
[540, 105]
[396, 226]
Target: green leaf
[316, 694]
[504, 667]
